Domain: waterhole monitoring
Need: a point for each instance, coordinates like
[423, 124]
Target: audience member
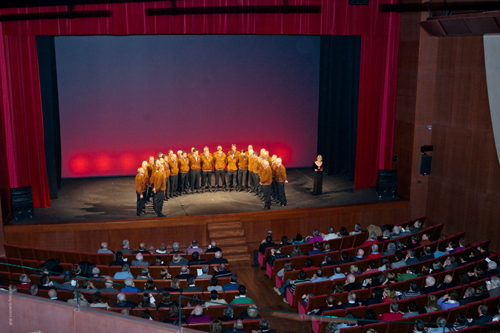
[214, 299]
[126, 247]
[449, 301]
[104, 249]
[242, 298]
[233, 283]
[197, 316]
[218, 259]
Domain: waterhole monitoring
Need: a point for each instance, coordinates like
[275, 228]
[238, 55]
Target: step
[227, 242]
[226, 233]
[225, 226]
[235, 250]
[237, 257]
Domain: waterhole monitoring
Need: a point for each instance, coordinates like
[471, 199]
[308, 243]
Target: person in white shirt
[214, 299]
[331, 234]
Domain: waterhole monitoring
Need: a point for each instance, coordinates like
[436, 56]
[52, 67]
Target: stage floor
[114, 198]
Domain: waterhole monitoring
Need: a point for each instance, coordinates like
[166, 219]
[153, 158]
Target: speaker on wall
[21, 203]
[387, 183]
[425, 164]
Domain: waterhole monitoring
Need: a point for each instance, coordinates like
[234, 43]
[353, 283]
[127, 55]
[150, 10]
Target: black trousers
[274, 187]
[195, 179]
[281, 192]
[159, 201]
[256, 181]
[206, 179]
[266, 189]
[249, 183]
[222, 175]
[149, 190]
[183, 182]
[173, 184]
[167, 188]
[141, 202]
[242, 178]
[231, 178]
[188, 180]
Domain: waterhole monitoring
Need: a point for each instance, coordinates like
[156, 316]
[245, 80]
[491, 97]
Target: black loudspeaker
[425, 164]
[387, 183]
[21, 202]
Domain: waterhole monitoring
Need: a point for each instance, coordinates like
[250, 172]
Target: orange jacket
[183, 165]
[159, 181]
[174, 169]
[280, 175]
[243, 162]
[207, 163]
[220, 161]
[140, 183]
[194, 163]
[266, 176]
[232, 163]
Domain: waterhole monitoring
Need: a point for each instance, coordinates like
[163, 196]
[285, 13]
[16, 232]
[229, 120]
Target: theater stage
[114, 199]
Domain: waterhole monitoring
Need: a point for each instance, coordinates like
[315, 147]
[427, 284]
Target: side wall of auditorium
[442, 82]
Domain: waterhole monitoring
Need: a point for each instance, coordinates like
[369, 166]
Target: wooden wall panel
[465, 179]
[87, 236]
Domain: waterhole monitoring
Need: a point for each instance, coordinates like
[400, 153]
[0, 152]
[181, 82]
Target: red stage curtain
[21, 107]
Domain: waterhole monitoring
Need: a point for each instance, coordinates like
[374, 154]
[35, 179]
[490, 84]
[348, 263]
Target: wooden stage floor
[114, 198]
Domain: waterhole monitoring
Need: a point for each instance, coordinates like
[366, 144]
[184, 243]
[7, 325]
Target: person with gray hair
[204, 273]
[104, 249]
[374, 254]
[197, 316]
[121, 302]
[129, 286]
[250, 313]
[372, 239]
[492, 269]
[175, 248]
[109, 287]
[126, 247]
[494, 286]
[469, 296]
[25, 282]
[396, 232]
[139, 260]
[222, 271]
[357, 229]
[430, 286]
[218, 259]
[125, 273]
[391, 249]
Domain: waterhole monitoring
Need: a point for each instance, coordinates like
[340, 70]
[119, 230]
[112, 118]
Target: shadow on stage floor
[114, 199]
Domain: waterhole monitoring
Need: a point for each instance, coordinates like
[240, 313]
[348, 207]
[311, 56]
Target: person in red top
[375, 254]
[372, 240]
[393, 315]
[25, 282]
